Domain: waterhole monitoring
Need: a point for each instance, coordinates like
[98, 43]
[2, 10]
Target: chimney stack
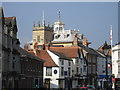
[75, 41]
[84, 42]
[26, 46]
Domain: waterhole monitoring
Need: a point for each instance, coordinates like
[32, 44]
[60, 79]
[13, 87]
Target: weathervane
[59, 15]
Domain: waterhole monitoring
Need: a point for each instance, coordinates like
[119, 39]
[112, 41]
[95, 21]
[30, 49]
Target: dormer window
[68, 35]
[56, 28]
[56, 37]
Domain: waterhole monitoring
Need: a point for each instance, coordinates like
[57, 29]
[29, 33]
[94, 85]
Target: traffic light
[36, 83]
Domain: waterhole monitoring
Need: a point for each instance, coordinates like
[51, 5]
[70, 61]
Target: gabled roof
[43, 54]
[109, 47]
[71, 52]
[100, 48]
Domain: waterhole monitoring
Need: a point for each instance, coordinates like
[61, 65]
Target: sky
[93, 19]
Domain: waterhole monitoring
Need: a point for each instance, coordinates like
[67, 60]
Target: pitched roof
[8, 17]
[61, 55]
[102, 46]
[70, 52]
[24, 53]
[46, 57]
[88, 50]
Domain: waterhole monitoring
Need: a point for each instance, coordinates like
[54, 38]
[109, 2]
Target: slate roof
[88, 50]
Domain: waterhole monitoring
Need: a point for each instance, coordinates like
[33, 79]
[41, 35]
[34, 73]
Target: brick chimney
[26, 47]
[46, 46]
[85, 42]
[75, 41]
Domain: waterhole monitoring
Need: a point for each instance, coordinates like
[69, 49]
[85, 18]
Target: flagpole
[111, 35]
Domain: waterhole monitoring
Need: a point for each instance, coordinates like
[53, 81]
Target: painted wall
[115, 60]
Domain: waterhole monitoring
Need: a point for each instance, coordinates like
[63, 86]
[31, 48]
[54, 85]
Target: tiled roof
[46, 57]
[61, 55]
[70, 52]
[24, 53]
[10, 20]
[8, 17]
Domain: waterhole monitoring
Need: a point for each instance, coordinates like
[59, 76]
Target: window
[103, 66]
[119, 55]
[56, 28]
[119, 68]
[60, 28]
[77, 70]
[80, 70]
[69, 69]
[62, 71]
[68, 35]
[84, 69]
[89, 68]
[13, 58]
[38, 39]
[56, 37]
[69, 63]
[48, 71]
[13, 65]
[62, 62]
[65, 73]
[77, 60]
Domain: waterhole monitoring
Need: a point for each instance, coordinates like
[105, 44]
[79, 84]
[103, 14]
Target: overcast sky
[93, 19]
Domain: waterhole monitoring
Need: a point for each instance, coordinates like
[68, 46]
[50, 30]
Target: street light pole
[106, 52]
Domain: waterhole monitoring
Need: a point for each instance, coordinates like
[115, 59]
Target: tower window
[60, 28]
[38, 39]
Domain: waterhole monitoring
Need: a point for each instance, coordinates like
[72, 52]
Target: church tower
[42, 34]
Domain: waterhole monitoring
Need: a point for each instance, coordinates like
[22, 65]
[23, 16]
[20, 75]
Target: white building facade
[116, 61]
[59, 76]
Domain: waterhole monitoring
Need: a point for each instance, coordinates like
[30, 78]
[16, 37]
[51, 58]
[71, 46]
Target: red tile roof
[45, 56]
[42, 54]
[8, 17]
[70, 52]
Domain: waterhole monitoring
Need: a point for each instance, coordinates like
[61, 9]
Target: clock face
[55, 71]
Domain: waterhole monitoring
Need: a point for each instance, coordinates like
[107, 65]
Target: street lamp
[105, 49]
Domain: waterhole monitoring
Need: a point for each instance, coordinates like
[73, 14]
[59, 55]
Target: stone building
[16, 63]
[41, 34]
